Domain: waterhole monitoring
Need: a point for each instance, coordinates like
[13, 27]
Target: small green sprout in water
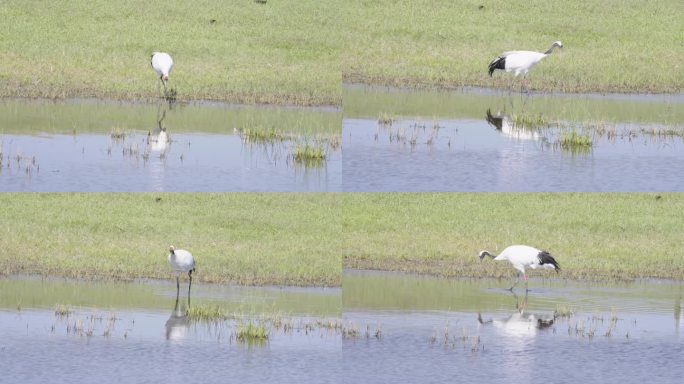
[118, 134]
[385, 119]
[251, 333]
[562, 310]
[350, 330]
[62, 310]
[261, 135]
[205, 313]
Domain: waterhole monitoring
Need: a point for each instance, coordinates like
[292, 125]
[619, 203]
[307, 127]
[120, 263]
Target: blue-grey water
[473, 155]
[437, 331]
[101, 146]
[135, 332]
[191, 162]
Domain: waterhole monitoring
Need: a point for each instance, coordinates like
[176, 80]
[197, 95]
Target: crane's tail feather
[498, 63]
[546, 258]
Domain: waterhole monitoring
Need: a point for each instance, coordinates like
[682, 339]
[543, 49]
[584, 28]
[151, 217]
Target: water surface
[399, 140]
[85, 145]
[436, 330]
[137, 332]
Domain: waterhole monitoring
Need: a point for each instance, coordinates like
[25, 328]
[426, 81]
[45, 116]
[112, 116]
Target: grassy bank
[612, 45]
[300, 52]
[277, 52]
[241, 238]
[592, 235]
[301, 239]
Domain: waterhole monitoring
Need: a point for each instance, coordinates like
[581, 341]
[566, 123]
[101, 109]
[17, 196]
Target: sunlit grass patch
[250, 332]
[529, 121]
[575, 142]
[309, 154]
[258, 134]
[205, 313]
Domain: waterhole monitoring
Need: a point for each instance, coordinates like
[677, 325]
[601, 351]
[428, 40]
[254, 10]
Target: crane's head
[165, 77]
[558, 44]
[485, 253]
[172, 248]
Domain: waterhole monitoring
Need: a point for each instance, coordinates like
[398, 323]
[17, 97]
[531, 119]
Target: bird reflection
[521, 323]
[507, 127]
[159, 140]
[177, 325]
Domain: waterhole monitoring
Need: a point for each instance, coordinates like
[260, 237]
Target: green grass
[279, 52]
[251, 333]
[592, 235]
[429, 43]
[262, 134]
[308, 154]
[300, 52]
[529, 121]
[205, 313]
[575, 142]
[304, 239]
[242, 238]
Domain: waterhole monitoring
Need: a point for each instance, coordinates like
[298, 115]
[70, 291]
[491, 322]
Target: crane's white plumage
[162, 63]
[520, 62]
[180, 261]
[524, 256]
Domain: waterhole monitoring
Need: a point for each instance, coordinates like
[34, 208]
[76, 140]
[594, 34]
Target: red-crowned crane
[520, 62]
[524, 256]
[162, 63]
[181, 260]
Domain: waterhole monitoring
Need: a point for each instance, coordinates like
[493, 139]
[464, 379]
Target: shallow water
[134, 332]
[455, 141]
[98, 146]
[437, 330]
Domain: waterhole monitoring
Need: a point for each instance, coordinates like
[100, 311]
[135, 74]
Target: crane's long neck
[553, 46]
[486, 253]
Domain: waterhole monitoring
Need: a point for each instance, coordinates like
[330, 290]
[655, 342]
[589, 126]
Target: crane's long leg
[177, 286]
[189, 285]
[517, 280]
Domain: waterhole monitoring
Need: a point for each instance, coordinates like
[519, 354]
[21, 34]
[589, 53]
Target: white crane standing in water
[524, 256]
[520, 62]
[162, 63]
[181, 261]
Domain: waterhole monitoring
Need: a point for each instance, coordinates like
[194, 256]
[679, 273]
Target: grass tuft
[309, 154]
[62, 310]
[575, 142]
[251, 333]
[205, 313]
